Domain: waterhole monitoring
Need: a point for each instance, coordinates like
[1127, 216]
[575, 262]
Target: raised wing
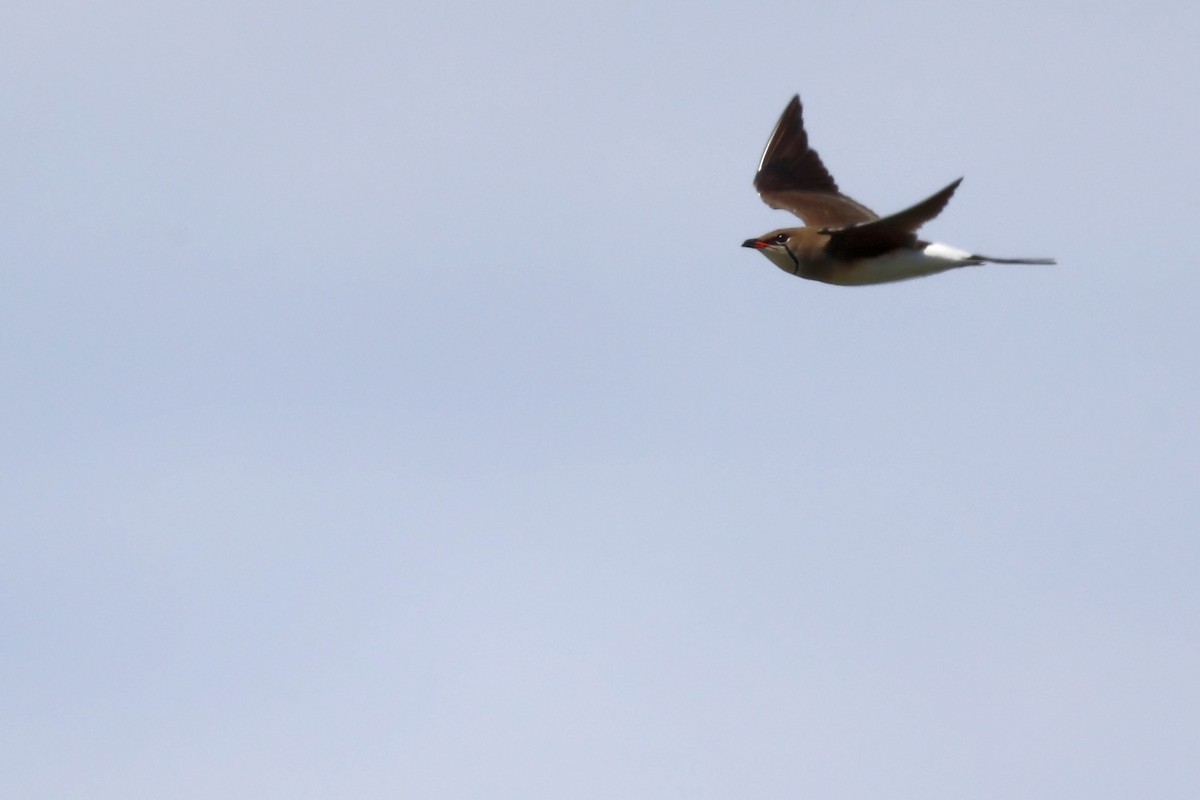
[882, 235]
[791, 176]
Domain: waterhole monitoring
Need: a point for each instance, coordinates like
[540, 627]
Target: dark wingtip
[792, 111]
[788, 163]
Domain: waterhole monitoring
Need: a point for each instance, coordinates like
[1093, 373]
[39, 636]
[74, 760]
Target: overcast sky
[389, 410]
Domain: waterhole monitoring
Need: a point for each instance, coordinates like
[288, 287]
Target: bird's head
[775, 246]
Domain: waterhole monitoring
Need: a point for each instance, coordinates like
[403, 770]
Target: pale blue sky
[390, 411]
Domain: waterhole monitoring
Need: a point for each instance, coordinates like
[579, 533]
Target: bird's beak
[755, 243]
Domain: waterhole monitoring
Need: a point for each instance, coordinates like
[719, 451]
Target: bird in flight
[845, 243]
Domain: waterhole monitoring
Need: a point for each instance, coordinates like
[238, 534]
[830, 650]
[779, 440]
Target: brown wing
[791, 176]
[882, 235]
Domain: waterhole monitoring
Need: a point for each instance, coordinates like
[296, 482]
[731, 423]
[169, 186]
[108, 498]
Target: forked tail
[991, 260]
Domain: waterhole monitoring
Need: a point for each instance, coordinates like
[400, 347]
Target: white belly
[903, 264]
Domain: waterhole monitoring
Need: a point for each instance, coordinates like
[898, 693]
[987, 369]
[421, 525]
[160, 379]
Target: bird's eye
[780, 239]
